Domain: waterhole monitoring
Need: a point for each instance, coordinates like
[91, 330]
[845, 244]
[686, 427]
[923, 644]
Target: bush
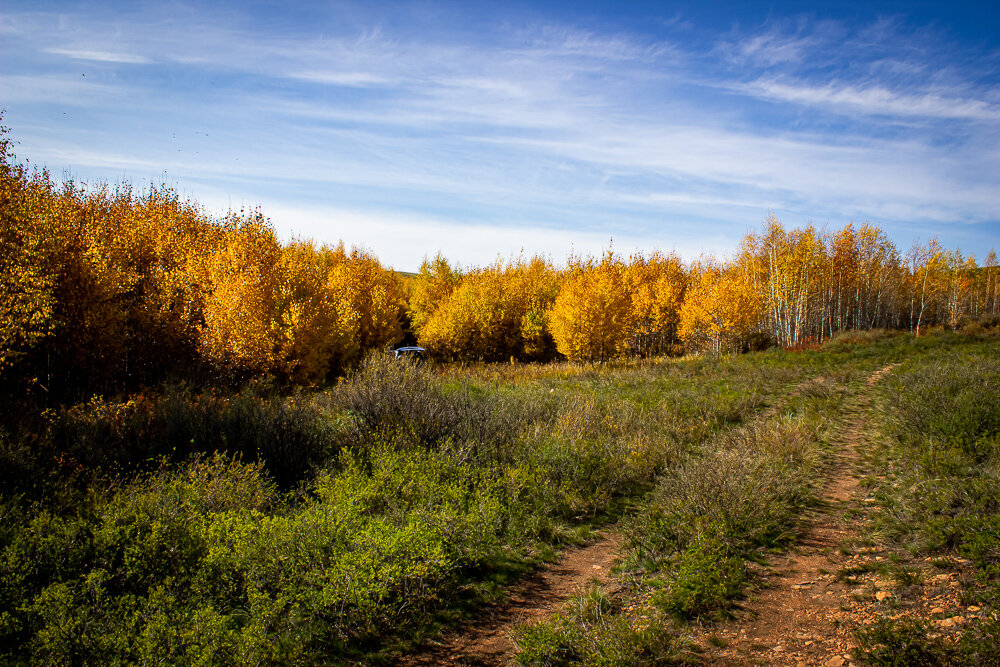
[701, 580]
[290, 435]
[950, 399]
[593, 630]
[902, 643]
[388, 396]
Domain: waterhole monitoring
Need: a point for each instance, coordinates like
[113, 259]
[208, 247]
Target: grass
[935, 478]
[340, 525]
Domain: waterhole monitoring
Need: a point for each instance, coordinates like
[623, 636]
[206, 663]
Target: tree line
[107, 289]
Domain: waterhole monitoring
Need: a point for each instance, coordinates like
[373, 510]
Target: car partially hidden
[410, 352]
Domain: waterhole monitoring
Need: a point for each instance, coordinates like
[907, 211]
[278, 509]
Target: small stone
[836, 661]
[946, 622]
[881, 595]
[974, 609]
[958, 620]
[800, 663]
[937, 610]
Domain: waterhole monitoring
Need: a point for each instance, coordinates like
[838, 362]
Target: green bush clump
[700, 580]
[712, 511]
[593, 630]
[399, 396]
[951, 399]
[903, 643]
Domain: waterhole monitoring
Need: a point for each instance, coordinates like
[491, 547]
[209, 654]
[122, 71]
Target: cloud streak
[100, 56]
[875, 99]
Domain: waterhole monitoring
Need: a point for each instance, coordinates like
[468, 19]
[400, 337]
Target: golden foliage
[593, 318]
[494, 313]
[103, 289]
[723, 306]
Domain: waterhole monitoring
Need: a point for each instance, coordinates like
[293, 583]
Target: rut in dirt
[801, 617]
[486, 640]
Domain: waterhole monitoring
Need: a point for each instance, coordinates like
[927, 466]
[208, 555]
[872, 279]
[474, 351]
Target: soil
[486, 641]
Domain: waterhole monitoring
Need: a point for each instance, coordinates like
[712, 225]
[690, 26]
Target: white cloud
[874, 99]
[402, 241]
[101, 56]
[358, 79]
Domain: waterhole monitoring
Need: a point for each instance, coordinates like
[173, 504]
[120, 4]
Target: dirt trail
[804, 615]
[486, 640]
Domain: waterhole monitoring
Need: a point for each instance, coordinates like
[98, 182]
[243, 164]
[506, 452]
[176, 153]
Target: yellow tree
[794, 262]
[27, 281]
[242, 280]
[373, 293]
[435, 282]
[927, 281]
[315, 329]
[723, 306]
[494, 313]
[991, 283]
[657, 284]
[592, 318]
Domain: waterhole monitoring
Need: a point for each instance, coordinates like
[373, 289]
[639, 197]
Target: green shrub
[290, 435]
[954, 398]
[593, 630]
[701, 580]
[902, 643]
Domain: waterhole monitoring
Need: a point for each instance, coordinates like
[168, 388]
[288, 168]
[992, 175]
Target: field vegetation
[208, 457]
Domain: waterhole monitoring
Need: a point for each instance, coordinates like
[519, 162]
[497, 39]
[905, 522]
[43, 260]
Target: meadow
[349, 524]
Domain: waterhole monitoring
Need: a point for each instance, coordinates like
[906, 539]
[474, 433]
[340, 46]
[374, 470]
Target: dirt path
[486, 640]
[804, 615]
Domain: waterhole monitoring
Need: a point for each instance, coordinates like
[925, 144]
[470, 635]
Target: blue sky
[480, 129]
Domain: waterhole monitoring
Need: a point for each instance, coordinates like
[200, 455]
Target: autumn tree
[592, 319]
[657, 284]
[926, 282]
[724, 305]
[494, 313]
[27, 282]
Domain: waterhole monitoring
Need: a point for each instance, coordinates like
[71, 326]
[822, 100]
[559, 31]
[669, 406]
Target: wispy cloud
[874, 99]
[356, 79]
[100, 56]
